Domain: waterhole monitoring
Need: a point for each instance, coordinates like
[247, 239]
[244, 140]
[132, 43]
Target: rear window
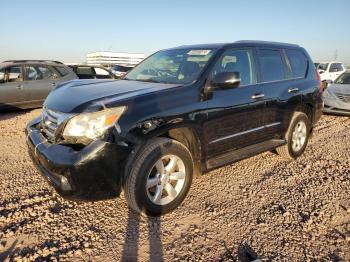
[85, 71]
[271, 65]
[298, 62]
[63, 71]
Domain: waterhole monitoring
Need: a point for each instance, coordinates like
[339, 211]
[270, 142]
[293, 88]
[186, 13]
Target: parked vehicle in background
[179, 113]
[26, 83]
[337, 95]
[330, 70]
[120, 71]
[92, 72]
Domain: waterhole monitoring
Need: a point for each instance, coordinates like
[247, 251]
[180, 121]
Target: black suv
[178, 114]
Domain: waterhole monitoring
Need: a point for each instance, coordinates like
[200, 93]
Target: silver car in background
[26, 83]
[337, 95]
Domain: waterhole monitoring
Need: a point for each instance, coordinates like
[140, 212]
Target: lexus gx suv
[179, 114]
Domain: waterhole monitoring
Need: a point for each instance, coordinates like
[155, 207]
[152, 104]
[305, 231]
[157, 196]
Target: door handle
[257, 96]
[53, 84]
[293, 90]
[19, 87]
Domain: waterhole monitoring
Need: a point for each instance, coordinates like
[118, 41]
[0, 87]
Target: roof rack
[31, 60]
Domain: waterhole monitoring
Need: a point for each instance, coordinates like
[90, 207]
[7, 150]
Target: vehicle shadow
[132, 235]
[10, 112]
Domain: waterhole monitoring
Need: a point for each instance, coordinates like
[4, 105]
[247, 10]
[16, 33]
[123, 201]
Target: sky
[67, 30]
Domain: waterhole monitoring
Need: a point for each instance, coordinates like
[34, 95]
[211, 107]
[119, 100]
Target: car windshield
[176, 66]
[343, 79]
[323, 66]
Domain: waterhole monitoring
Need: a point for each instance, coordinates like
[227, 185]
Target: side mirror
[321, 72]
[225, 80]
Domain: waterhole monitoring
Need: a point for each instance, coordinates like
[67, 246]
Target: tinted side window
[237, 61]
[83, 70]
[271, 65]
[61, 70]
[298, 62]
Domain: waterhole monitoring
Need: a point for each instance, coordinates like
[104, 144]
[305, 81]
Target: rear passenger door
[39, 80]
[282, 88]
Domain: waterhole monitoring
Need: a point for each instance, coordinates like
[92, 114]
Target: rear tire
[159, 177]
[297, 137]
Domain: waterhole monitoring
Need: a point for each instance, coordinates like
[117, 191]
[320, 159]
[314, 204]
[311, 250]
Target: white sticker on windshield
[198, 52]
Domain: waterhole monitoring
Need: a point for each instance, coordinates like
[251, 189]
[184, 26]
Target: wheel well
[307, 109]
[189, 138]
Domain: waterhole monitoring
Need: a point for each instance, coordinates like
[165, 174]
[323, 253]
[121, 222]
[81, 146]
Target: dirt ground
[264, 207]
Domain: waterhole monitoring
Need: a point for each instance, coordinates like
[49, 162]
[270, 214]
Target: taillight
[320, 84]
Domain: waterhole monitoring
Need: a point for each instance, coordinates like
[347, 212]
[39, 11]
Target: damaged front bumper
[92, 173]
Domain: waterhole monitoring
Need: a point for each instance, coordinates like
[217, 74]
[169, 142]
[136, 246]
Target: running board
[242, 153]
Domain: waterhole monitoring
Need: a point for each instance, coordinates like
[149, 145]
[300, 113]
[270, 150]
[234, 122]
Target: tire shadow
[132, 234]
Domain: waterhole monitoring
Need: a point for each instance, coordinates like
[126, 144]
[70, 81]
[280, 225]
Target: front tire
[297, 137]
[159, 177]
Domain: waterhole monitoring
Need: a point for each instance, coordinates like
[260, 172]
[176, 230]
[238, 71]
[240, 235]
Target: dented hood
[75, 95]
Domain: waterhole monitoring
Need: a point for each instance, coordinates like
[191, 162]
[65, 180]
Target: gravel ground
[264, 207]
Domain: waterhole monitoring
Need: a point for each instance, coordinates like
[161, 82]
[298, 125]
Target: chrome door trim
[244, 132]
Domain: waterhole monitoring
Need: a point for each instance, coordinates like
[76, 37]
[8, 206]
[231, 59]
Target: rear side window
[84, 70]
[61, 70]
[298, 63]
[101, 71]
[271, 65]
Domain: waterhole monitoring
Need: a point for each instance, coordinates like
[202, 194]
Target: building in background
[109, 59]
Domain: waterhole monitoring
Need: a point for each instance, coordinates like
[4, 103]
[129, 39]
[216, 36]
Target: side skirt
[243, 153]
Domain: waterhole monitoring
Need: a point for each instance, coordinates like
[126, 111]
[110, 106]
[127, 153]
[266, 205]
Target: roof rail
[31, 60]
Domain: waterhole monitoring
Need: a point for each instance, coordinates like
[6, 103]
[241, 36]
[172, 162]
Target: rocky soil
[265, 208]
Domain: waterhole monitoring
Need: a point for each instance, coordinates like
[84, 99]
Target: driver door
[235, 115]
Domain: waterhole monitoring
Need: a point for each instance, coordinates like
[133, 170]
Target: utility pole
[335, 54]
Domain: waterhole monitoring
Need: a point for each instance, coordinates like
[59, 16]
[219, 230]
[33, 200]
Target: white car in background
[337, 96]
[330, 70]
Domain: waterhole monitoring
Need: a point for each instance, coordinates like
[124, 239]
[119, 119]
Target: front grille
[343, 97]
[52, 122]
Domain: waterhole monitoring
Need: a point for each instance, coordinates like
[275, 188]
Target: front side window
[101, 71]
[177, 66]
[271, 65]
[11, 74]
[343, 79]
[298, 63]
[240, 61]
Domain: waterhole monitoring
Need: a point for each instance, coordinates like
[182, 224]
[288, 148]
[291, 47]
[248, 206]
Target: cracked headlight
[92, 125]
